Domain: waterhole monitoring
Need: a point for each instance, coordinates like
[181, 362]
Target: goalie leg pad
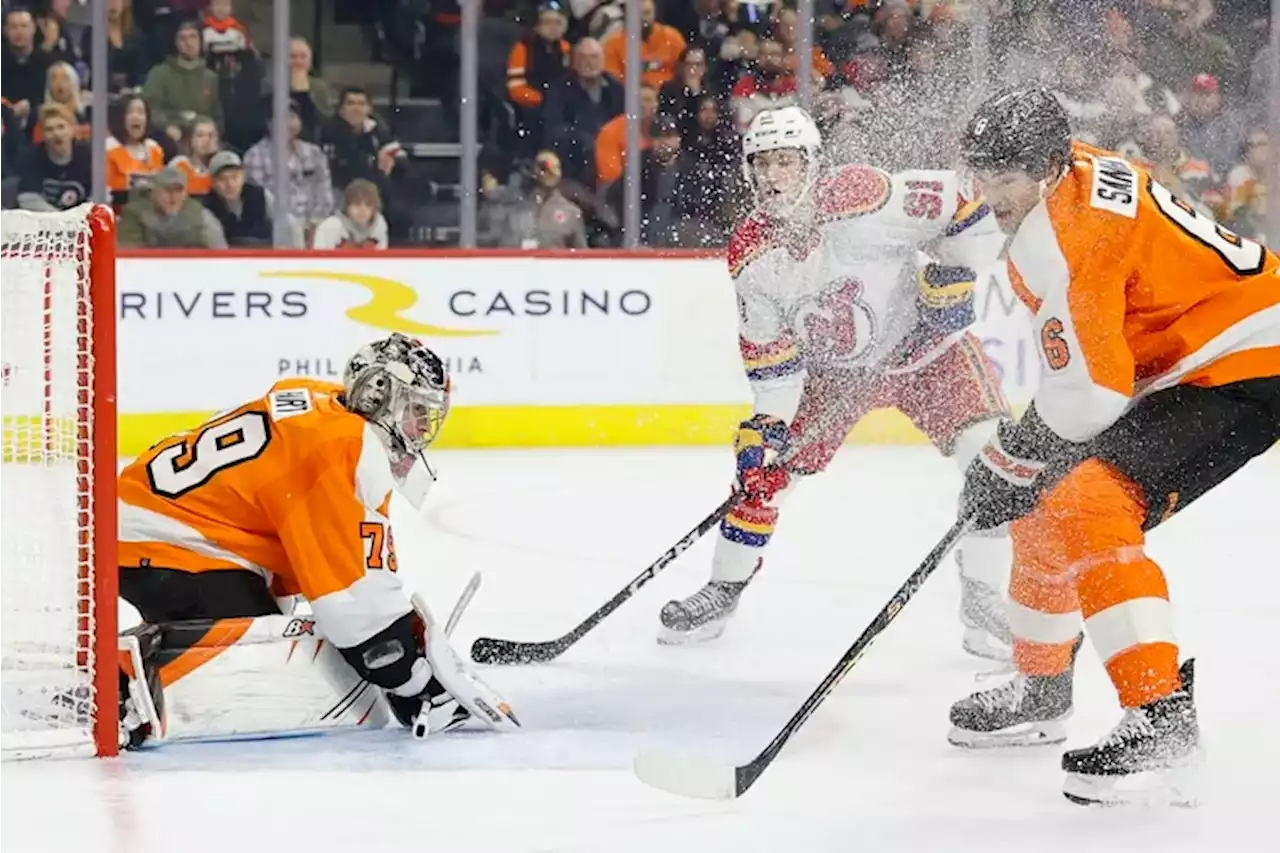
[142, 717]
[266, 676]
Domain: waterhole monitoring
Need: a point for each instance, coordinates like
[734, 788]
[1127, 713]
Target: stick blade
[688, 777]
[492, 650]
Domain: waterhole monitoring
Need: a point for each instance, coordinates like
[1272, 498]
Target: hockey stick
[694, 777]
[468, 592]
[494, 650]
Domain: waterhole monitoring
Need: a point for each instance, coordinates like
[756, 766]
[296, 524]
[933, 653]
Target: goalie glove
[760, 440]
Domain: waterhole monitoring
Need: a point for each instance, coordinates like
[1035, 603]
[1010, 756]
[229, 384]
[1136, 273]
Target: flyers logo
[390, 298]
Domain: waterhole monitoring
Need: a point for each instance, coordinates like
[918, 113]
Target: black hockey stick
[493, 650]
[695, 777]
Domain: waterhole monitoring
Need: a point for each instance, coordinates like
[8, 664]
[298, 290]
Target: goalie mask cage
[58, 573]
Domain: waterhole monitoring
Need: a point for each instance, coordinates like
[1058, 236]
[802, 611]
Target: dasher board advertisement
[614, 350]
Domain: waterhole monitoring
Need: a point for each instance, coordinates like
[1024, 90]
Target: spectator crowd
[1178, 85]
[190, 155]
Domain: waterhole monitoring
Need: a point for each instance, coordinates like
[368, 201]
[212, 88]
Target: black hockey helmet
[1023, 129]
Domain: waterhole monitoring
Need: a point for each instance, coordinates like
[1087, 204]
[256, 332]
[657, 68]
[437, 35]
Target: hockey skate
[1026, 710]
[986, 627]
[702, 616]
[1151, 757]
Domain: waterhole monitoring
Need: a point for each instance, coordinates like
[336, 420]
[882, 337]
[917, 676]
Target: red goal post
[58, 572]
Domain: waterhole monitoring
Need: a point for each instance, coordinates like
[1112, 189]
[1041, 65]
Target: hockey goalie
[285, 498]
[854, 291]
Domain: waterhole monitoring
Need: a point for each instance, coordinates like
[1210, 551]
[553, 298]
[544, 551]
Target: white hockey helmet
[401, 386]
[778, 128]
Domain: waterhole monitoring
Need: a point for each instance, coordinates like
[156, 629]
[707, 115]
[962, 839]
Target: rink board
[545, 349]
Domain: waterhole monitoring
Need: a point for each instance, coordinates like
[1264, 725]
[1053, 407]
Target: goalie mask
[402, 387]
[780, 159]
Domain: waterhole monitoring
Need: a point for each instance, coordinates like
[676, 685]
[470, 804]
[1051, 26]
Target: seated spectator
[702, 23]
[61, 39]
[13, 144]
[132, 156]
[164, 215]
[199, 144]
[223, 33]
[661, 212]
[544, 219]
[894, 23]
[358, 145]
[1092, 119]
[611, 144]
[710, 176]
[182, 87]
[1245, 199]
[359, 225]
[1185, 47]
[1163, 154]
[57, 174]
[1210, 129]
[244, 210]
[660, 49]
[575, 111]
[768, 83]
[312, 93]
[63, 89]
[537, 63]
[679, 97]
[126, 50]
[23, 67]
[310, 186]
[784, 30]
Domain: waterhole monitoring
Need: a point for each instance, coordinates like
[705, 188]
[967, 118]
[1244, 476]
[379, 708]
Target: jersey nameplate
[290, 402]
[1115, 187]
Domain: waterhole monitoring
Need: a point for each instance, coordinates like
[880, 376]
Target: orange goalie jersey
[1133, 291]
[291, 486]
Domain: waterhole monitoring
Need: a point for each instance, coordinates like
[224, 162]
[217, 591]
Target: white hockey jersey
[842, 295]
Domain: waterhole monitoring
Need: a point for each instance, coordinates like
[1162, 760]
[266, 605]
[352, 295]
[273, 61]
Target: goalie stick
[694, 777]
[494, 650]
[468, 592]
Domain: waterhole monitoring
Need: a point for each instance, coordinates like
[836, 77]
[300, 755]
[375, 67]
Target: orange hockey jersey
[1133, 291]
[291, 486]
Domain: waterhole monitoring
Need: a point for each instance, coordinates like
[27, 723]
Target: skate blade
[1042, 733]
[980, 644]
[1176, 786]
[702, 634]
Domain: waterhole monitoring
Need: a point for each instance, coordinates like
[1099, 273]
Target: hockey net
[57, 483]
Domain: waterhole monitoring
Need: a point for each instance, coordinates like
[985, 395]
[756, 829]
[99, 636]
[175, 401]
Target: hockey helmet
[401, 386]
[779, 128]
[1025, 129]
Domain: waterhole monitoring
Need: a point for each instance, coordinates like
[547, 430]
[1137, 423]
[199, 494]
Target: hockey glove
[1000, 484]
[757, 445]
[947, 290]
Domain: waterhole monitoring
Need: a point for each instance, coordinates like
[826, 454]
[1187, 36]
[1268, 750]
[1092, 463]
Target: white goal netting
[47, 575]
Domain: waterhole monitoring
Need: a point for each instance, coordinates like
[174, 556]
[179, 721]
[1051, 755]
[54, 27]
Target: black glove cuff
[1032, 439]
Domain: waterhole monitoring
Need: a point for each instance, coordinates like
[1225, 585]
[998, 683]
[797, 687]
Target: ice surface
[555, 533]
